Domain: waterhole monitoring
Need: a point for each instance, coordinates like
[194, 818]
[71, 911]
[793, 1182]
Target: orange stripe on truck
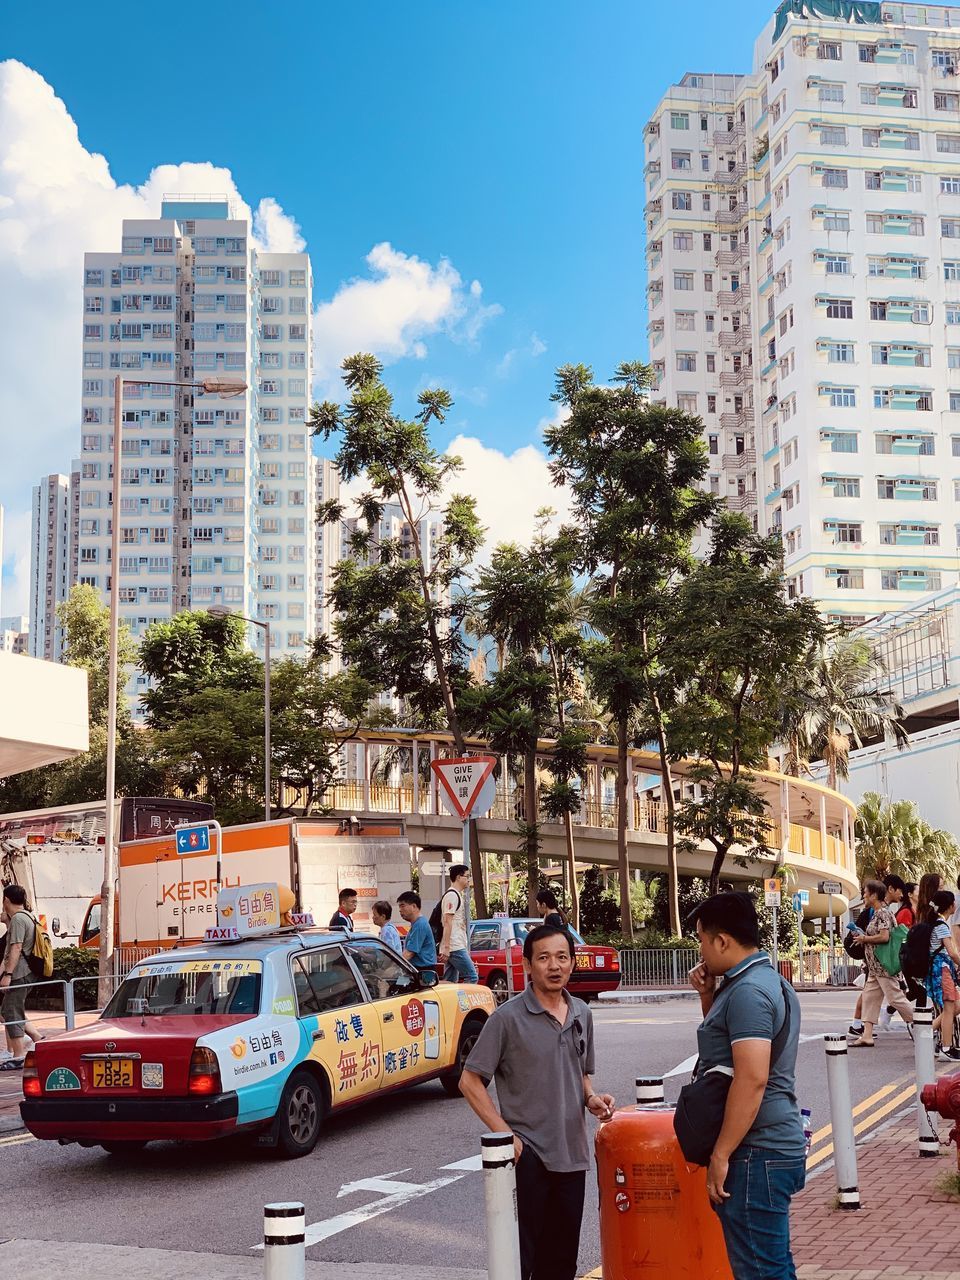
[263, 835]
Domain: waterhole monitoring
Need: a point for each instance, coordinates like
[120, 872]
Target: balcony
[736, 338]
[736, 377]
[730, 217]
[729, 137]
[742, 501]
[733, 297]
[728, 175]
[738, 461]
[737, 421]
[731, 257]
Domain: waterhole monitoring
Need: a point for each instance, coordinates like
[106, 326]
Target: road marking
[861, 1107]
[397, 1194]
[653, 1022]
[472, 1164]
[14, 1140]
[682, 1067]
[909, 1093]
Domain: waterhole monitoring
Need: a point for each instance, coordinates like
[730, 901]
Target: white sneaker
[5, 1055]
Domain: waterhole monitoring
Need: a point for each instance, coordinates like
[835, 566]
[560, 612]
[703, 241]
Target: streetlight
[219, 611]
[212, 386]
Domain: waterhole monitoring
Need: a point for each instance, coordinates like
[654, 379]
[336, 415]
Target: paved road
[210, 1198]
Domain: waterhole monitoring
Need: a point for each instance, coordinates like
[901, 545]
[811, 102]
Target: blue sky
[506, 138]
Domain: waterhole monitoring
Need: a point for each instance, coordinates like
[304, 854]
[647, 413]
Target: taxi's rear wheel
[468, 1038]
[497, 982]
[302, 1108]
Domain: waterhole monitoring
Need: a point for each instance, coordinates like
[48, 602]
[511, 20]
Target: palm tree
[893, 839]
[837, 703]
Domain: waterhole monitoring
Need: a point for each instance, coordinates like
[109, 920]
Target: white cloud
[390, 312]
[530, 350]
[58, 200]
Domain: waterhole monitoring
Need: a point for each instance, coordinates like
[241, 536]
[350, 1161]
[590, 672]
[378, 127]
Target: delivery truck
[56, 854]
[165, 897]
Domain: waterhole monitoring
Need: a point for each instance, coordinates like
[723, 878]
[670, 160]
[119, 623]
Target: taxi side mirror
[428, 978]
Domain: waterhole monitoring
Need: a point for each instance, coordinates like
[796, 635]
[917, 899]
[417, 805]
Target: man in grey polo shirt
[539, 1049]
[751, 1026]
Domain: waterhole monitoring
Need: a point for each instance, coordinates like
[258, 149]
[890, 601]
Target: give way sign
[462, 783]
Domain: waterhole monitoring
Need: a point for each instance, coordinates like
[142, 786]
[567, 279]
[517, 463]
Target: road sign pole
[833, 959]
[800, 938]
[776, 941]
[219, 830]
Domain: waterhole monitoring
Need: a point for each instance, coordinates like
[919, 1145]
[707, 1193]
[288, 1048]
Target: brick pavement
[902, 1212]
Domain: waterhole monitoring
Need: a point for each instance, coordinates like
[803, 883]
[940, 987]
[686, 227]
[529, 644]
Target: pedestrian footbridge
[388, 771]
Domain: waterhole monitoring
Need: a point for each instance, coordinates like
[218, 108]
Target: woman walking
[942, 976]
[880, 988]
[549, 909]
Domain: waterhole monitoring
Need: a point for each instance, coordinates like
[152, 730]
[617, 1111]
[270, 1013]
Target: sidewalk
[897, 1190]
[11, 1094]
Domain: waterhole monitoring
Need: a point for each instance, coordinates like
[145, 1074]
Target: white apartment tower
[217, 494]
[803, 240]
[51, 564]
[327, 547]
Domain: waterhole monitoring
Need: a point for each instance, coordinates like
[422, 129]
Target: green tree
[736, 641]
[837, 700]
[399, 614]
[634, 470]
[893, 839]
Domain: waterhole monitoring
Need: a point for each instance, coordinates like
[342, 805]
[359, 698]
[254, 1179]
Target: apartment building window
[835, 220]
[950, 228]
[902, 398]
[845, 579]
[833, 136]
[843, 486]
[903, 353]
[840, 308]
[686, 362]
[687, 402]
[681, 200]
[951, 270]
[685, 321]
[955, 401]
[708, 281]
[893, 487]
[835, 177]
[949, 143]
[298, 279]
[271, 279]
[683, 280]
[680, 160]
[711, 403]
[711, 362]
[679, 120]
[844, 531]
[835, 264]
[904, 443]
[953, 357]
[840, 397]
[839, 352]
[830, 93]
[946, 102]
[830, 51]
[952, 314]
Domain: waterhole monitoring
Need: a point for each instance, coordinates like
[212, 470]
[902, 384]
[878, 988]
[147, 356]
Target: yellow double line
[878, 1105]
[15, 1139]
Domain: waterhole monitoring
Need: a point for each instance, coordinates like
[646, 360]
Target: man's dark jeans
[756, 1218]
[549, 1210]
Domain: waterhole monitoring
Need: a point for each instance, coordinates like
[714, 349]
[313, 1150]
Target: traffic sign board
[800, 899]
[193, 839]
[830, 886]
[462, 782]
[771, 892]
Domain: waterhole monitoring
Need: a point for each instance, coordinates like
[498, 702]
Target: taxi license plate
[113, 1073]
[583, 961]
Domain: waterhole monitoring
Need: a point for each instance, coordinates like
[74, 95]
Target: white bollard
[500, 1194]
[928, 1140]
[649, 1091]
[283, 1246]
[841, 1122]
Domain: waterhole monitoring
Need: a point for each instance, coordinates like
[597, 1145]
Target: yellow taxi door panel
[411, 1019]
[342, 1028]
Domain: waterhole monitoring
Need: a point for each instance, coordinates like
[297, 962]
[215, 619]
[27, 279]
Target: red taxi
[596, 969]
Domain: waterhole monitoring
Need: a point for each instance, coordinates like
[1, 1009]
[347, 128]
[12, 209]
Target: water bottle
[807, 1123]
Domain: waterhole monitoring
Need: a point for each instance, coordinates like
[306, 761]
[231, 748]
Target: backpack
[436, 917]
[854, 949]
[40, 956]
[915, 954]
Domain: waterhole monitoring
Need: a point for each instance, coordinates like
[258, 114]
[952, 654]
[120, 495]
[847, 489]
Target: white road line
[682, 1068]
[319, 1231]
[472, 1164]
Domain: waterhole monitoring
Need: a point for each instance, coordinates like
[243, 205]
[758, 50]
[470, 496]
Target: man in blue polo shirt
[758, 1161]
[419, 946]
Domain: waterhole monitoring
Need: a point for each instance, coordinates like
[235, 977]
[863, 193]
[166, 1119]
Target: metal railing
[662, 968]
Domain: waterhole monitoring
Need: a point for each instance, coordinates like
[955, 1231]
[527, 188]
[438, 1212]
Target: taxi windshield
[188, 988]
[522, 927]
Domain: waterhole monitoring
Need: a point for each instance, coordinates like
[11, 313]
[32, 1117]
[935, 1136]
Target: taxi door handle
[388, 1017]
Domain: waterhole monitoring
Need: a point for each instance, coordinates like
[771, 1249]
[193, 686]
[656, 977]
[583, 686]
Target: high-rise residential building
[327, 548]
[803, 253]
[15, 634]
[217, 492]
[52, 561]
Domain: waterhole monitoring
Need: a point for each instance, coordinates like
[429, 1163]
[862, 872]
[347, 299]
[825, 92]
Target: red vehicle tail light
[615, 960]
[31, 1077]
[204, 1076]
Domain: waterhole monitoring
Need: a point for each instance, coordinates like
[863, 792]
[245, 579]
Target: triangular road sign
[461, 781]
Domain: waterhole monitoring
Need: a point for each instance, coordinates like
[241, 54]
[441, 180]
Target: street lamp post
[218, 611]
[213, 386]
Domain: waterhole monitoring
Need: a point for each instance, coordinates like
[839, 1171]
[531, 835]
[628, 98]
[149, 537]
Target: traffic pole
[776, 942]
[284, 1252]
[841, 1122]
[928, 1140]
[500, 1196]
[649, 1091]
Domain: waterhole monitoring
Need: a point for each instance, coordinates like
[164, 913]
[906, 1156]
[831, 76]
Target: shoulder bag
[698, 1118]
